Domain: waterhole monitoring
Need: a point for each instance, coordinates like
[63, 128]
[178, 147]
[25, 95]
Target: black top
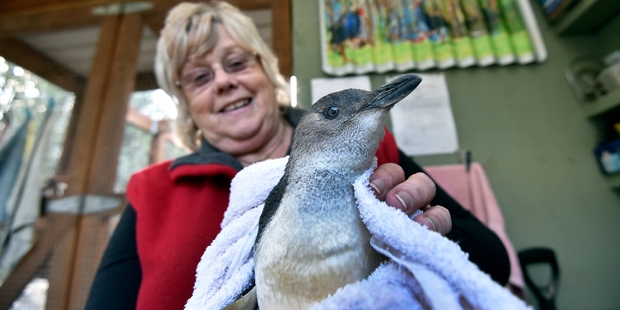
[118, 278]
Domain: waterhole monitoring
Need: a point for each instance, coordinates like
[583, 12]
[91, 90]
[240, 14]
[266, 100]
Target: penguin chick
[311, 240]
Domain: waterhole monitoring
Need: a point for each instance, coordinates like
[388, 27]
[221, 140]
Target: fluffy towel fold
[425, 270]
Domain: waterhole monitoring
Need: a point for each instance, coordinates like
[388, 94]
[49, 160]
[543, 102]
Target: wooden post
[93, 158]
[281, 35]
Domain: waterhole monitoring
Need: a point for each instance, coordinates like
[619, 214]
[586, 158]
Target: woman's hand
[389, 184]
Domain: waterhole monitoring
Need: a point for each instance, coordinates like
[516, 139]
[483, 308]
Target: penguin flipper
[248, 301]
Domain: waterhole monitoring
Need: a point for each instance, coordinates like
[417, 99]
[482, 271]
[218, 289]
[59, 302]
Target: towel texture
[425, 270]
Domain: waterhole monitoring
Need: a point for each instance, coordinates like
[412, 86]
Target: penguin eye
[331, 112]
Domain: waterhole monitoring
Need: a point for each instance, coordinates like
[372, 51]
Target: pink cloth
[473, 191]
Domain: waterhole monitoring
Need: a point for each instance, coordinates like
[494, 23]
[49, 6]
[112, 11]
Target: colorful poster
[478, 32]
[364, 56]
[438, 34]
[455, 19]
[417, 29]
[497, 31]
[382, 49]
[519, 37]
[346, 34]
[363, 36]
[402, 48]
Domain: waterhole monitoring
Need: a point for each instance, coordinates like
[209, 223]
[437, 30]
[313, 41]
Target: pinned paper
[423, 123]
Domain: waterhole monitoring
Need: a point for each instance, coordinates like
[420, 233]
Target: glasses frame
[254, 57]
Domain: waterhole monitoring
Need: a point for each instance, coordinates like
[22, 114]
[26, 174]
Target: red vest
[178, 214]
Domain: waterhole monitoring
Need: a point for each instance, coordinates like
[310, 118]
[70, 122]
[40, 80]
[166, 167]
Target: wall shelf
[607, 103]
[598, 108]
[587, 16]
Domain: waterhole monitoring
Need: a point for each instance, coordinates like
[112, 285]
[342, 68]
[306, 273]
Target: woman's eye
[331, 112]
[201, 78]
[236, 65]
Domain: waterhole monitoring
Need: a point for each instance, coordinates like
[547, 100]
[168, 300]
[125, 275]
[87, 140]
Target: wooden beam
[92, 239]
[26, 7]
[36, 16]
[57, 295]
[281, 34]
[248, 5]
[25, 56]
[22, 24]
[90, 114]
[111, 129]
[94, 155]
[63, 229]
[80, 161]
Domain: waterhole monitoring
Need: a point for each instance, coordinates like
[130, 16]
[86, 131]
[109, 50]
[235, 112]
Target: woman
[232, 113]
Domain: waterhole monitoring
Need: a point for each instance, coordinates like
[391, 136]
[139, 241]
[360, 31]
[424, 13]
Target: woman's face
[230, 98]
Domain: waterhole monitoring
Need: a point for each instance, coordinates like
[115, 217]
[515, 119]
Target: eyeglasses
[234, 63]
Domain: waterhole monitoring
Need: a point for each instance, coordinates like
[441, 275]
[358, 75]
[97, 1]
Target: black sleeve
[484, 247]
[119, 275]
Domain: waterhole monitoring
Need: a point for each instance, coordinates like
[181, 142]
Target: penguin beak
[389, 94]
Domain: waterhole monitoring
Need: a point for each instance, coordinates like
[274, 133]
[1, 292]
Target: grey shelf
[607, 103]
[587, 16]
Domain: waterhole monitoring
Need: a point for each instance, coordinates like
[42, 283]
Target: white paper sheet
[423, 123]
[324, 86]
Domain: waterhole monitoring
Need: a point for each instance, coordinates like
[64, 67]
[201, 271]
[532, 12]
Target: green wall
[525, 126]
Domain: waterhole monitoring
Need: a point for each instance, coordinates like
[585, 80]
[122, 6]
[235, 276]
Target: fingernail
[425, 221]
[435, 226]
[378, 186]
[404, 199]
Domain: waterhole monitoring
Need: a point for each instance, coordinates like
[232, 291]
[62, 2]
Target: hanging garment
[11, 159]
[24, 204]
[4, 130]
[473, 191]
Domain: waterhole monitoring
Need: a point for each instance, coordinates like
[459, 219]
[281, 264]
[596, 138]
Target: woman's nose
[222, 80]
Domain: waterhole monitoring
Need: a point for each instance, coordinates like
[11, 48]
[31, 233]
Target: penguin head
[344, 129]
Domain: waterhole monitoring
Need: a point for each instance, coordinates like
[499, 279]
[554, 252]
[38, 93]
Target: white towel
[425, 270]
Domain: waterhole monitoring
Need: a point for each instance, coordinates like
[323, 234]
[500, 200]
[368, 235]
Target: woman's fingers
[412, 194]
[437, 219]
[384, 178]
[389, 184]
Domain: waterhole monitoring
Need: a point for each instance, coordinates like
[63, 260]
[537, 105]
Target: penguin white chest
[301, 261]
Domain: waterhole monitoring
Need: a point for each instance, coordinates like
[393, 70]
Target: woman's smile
[236, 105]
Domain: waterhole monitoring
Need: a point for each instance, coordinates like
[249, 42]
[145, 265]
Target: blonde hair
[189, 31]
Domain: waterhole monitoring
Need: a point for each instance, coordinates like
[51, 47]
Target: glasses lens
[238, 62]
[197, 78]
[233, 64]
